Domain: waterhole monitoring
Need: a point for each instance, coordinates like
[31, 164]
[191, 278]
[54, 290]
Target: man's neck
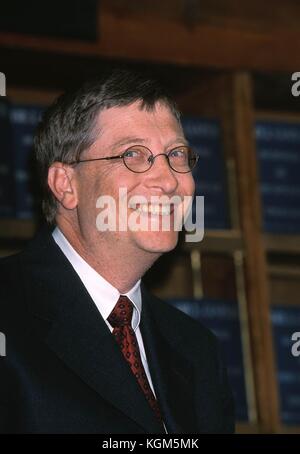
[122, 269]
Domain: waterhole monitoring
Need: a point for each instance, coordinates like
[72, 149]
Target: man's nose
[161, 175]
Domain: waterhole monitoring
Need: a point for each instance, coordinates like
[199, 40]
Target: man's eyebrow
[138, 140]
[178, 139]
[129, 140]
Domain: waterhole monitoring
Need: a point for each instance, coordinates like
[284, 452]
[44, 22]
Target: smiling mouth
[154, 209]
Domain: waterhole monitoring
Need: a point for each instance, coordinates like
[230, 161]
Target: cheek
[188, 185]
[89, 191]
[125, 179]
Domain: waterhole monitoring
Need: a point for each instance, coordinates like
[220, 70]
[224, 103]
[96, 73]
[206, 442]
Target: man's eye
[131, 153]
[178, 153]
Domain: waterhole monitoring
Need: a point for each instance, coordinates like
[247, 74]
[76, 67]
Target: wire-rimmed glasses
[139, 159]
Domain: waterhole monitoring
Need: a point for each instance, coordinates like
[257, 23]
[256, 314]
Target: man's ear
[61, 180]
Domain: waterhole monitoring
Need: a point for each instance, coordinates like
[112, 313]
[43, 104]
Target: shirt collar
[104, 295]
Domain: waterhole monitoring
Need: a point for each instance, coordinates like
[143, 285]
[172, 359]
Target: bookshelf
[282, 253]
[225, 82]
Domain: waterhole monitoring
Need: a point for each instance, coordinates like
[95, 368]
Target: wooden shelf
[17, 229]
[284, 271]
[291, 117]
[246, 428]
[29, 96]
[289, 244]
[250, 428]
[289, 430]
[218, 241]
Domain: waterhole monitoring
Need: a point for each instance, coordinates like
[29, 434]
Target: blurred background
[232, 67]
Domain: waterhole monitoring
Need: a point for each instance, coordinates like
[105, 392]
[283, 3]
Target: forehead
[133, 119]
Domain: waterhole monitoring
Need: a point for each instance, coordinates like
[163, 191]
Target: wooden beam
[243, 143]
[154, 38]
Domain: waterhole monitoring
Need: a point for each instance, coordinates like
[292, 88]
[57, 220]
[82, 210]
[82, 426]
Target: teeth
[163, 210]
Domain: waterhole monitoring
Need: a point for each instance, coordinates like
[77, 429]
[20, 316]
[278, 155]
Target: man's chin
[158, 242]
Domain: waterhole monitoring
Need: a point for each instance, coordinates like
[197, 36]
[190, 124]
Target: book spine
[24, 119]
[204, 136]
[278, 151]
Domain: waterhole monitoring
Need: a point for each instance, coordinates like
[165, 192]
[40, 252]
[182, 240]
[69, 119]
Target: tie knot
[121, 314]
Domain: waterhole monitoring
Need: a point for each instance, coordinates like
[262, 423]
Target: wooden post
[238, 109]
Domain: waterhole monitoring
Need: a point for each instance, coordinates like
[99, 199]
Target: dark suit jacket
[64, 373]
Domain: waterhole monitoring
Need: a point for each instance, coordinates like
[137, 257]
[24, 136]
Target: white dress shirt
[104, 295]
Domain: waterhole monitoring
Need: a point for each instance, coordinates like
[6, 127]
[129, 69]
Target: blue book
[222, 318]
[24, 120]
[204, 135]
[285, 322]
[7, 200]
[278, 151]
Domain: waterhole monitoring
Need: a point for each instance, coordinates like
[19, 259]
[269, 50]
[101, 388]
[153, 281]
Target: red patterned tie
[120, 320]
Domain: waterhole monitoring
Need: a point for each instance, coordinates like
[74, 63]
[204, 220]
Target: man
[89, 350]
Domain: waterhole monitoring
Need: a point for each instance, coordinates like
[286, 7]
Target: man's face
[120, 128]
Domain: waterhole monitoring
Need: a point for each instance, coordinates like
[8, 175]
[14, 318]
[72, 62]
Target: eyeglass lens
[139, 159]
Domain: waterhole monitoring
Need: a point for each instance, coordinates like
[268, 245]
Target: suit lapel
[78, 334]
[171, 373]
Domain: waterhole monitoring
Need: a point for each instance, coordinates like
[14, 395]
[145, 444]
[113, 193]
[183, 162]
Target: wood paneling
[236, 35]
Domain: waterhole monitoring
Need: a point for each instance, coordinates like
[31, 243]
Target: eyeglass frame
[122, 156]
